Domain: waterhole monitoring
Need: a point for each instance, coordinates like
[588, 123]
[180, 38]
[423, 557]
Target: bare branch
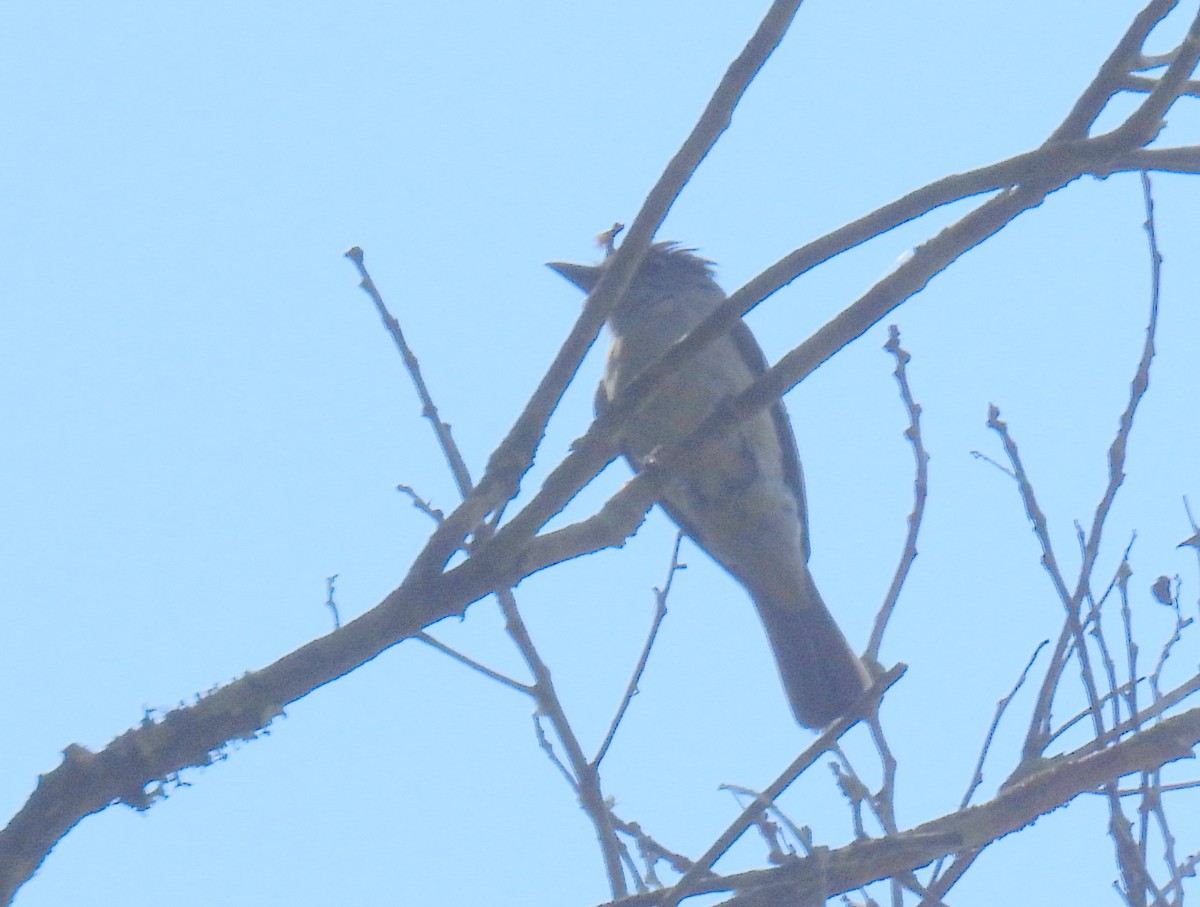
[703, 866]
[862, 862]
[1001, 707]
[920, 492]
[660, 612]
[429, 410]
[1126, 56]
[474, 665]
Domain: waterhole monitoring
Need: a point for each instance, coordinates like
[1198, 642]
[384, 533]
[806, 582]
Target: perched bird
[743, 502]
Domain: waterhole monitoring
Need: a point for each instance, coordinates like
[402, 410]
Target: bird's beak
[583, 276]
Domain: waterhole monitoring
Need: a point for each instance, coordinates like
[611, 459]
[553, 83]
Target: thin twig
[330, 581]
[420, 503]
[963, 860]
[801, 764]
[429, 410]
[660, 612]
[978, 455]
[651, 850]
[761, 811]
[939, 884]
[474, 665]
[539, 732]
[585, 780]
[1131, 647]
[920, 492]
[1181, 624]
[1001, 707]
[882, 803]
[1040, 722]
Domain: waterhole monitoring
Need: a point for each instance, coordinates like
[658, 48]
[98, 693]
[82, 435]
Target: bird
[742, 501]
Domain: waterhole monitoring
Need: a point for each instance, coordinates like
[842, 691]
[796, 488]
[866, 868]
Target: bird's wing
[753, 356]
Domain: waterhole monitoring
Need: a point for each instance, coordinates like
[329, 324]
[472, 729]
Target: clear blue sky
[204, 419]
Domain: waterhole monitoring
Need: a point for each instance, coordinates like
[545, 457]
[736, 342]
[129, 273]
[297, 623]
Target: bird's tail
[821, 674]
